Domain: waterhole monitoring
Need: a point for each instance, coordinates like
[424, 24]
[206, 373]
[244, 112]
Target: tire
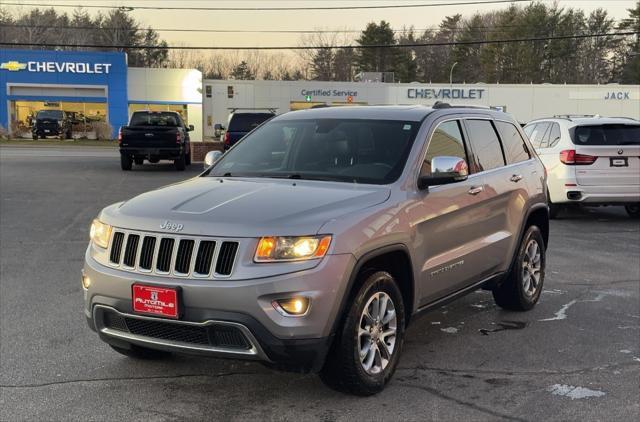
[137, 352]
[180, 163]
[35, 136]
[69, 135]
[343, 369]
[187, 158]
[126, 163]
[554, 209]
[516, 292]
[633, 210]
[138, 161]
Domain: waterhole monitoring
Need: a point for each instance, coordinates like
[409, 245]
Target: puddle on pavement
[504, 325]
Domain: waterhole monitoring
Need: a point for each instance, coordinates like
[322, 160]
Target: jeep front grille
[172, 255]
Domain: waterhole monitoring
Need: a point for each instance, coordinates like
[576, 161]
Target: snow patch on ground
[449, 330]
[562, 313]
[625, 351]
[574, 392]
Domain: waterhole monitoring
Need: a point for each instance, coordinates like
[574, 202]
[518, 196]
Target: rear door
[609, 153]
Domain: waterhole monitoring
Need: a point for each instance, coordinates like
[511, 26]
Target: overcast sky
[300, 20]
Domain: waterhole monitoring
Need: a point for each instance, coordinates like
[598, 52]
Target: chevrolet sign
[56, 67]
[13, 66]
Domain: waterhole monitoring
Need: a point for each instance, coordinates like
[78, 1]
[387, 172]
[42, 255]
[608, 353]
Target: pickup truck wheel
[367, 348]
[35, 136]
[187, 158]
[126, 163]
[180, 163]
[138, 352]
[521, 288]
[633, 210]
[138, 161]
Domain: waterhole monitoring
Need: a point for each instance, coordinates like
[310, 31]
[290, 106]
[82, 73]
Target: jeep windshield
[50, 115]
[349, 150]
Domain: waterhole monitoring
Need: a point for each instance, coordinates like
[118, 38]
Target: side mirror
[190, 128]
[445, 170]
[211, 158]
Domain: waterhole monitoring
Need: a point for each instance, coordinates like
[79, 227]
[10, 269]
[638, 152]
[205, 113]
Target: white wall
[175, 86]
[525, 102]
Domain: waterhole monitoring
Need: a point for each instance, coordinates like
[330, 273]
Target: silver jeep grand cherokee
[313, 242]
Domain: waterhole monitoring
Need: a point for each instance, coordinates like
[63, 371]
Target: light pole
[451, 74]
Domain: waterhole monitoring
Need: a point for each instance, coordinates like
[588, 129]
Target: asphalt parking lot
[576, 356]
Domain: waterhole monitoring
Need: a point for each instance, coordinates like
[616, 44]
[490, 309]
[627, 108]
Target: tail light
[227, 139]
[571, 158]
[119, 136]
[178, 138]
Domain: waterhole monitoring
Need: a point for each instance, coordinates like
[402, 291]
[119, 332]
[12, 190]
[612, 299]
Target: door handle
[475, 190]
[516, 178]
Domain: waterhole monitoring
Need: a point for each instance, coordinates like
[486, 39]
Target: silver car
[314, 242]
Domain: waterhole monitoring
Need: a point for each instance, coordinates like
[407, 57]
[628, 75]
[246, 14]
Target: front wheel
[633, 210]
[366, 350]
[521, 288]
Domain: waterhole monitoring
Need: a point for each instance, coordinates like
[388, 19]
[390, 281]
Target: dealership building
[95, 88]
[98, 89]
[525, 102]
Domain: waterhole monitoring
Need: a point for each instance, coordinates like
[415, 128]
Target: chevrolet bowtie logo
[13, 66]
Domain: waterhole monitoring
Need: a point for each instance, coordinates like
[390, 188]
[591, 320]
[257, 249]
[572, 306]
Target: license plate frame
[618, 162]
[158, 301]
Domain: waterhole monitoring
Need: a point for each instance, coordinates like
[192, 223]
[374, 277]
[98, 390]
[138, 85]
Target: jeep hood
[234, 207]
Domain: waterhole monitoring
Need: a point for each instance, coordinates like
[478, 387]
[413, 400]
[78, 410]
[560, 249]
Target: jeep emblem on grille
[173, 227]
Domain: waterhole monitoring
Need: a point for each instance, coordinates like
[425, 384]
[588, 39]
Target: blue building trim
[40, 67]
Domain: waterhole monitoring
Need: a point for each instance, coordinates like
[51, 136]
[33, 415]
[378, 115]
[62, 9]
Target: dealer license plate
[152, 300]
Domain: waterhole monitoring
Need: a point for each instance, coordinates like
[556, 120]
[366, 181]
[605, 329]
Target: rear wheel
[68, 135]
[138, 352]
[180, 163]
[126, 163]
[633, 210]
[35, 136]
[187, 158]
[367, 348]
[521, 288]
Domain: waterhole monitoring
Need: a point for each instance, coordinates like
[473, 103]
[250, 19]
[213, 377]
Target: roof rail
[441, 104]
[574, 116]
[271, 109]
[624, 117]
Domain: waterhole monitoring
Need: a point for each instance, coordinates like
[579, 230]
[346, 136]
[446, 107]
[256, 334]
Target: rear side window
[446, 141]
[246, 122]
[486, 151]
[514, 147]
[612, 134]
[538, 133]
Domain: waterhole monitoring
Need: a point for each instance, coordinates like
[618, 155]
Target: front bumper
[240, 308]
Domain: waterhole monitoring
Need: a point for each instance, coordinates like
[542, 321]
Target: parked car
[155, 136]
[315, 241]
[241, 122]
[590, 160]
[52, 123]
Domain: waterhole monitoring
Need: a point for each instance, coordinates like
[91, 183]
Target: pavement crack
[159, 377]
[469, 405]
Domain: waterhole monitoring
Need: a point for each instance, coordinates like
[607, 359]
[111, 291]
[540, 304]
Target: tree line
[600, 59]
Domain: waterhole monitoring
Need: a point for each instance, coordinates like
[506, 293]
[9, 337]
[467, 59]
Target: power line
[262, 31]
[280, 8]
[322, 47]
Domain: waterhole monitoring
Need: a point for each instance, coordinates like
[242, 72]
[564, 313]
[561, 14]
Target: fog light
[86, 281]
[295, 306]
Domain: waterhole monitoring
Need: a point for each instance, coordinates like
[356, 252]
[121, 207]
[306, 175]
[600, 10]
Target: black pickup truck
[155, 136]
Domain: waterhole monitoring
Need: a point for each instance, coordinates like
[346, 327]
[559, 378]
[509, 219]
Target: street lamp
[451, 73]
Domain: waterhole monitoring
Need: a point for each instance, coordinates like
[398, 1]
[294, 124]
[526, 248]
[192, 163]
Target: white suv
[589, 160]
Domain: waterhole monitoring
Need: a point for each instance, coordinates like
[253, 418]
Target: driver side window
[446, 140]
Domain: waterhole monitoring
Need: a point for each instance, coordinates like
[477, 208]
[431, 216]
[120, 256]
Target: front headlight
[100, 233]
[271, 249]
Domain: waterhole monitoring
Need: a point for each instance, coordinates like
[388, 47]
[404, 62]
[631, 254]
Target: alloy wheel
[377, 333]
